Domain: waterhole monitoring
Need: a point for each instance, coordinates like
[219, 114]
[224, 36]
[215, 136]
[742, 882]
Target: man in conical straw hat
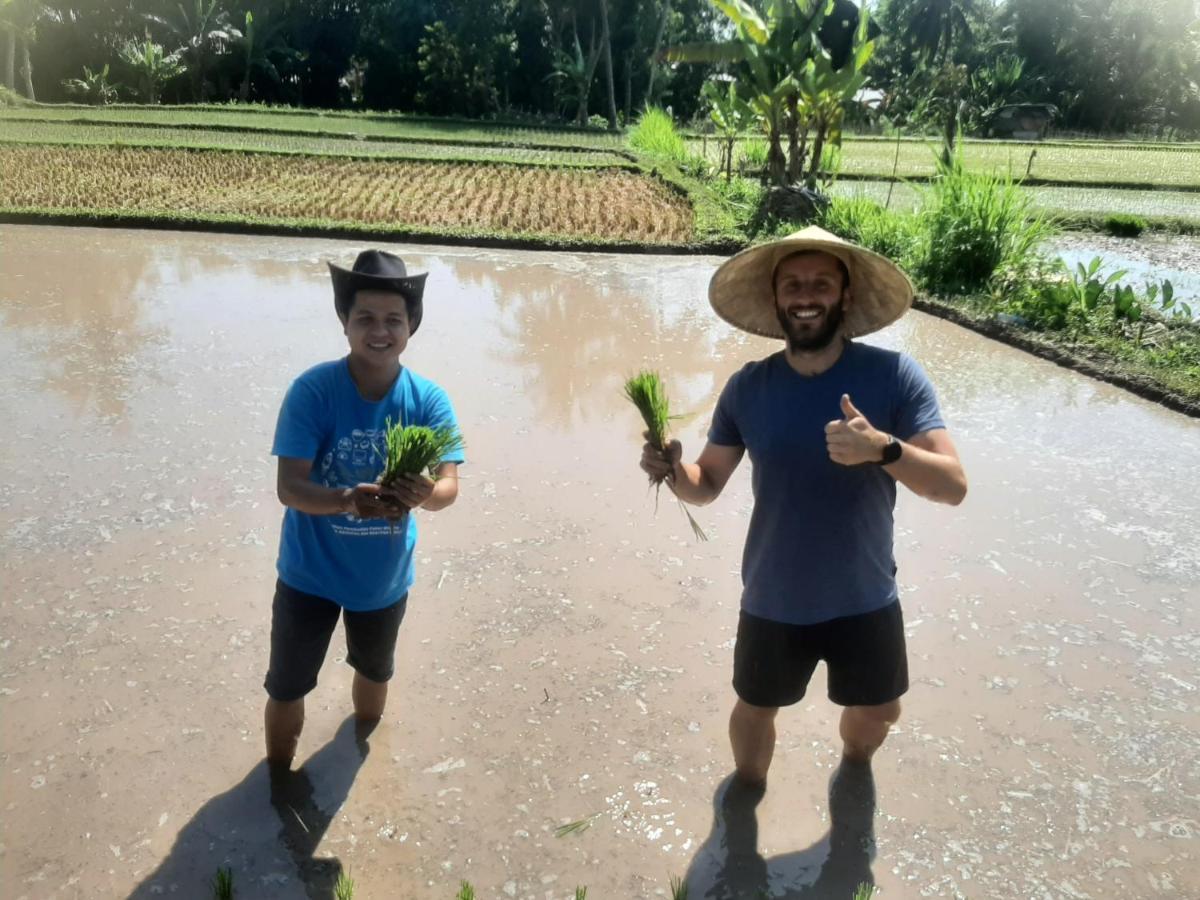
[831, 425]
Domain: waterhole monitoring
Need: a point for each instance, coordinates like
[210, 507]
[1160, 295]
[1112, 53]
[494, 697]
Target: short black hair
[837, 259]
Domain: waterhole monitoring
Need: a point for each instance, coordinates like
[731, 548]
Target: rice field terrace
[1183, 206]
[406, 196]
[142, 135]
[1072, 162]
[321, 122]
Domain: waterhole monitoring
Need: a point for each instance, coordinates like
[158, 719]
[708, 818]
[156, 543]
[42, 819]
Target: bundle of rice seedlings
[416, 449]
[645, 390]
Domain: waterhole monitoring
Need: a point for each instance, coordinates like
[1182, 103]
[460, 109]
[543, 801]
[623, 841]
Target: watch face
[892, 451]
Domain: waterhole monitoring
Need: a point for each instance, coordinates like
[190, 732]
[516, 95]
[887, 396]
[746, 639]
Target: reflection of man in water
[830, 425]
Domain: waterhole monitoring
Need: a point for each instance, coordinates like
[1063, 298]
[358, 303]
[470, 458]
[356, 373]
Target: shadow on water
[728, 866]
[267, 829]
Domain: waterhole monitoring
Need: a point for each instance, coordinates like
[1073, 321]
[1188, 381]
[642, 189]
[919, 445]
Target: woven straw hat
[742, 294]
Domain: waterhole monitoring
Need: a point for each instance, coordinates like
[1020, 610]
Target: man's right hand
[661, 464]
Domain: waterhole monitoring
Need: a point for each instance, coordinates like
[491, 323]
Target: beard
[805, 339]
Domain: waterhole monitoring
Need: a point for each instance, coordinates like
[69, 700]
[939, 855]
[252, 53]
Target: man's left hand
[852, 440]
[410, 491]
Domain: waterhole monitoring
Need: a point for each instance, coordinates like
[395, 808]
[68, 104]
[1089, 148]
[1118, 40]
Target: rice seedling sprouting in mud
[222, 884]
[645, 390]
[465, 892]
[679, 890]
[343, 888]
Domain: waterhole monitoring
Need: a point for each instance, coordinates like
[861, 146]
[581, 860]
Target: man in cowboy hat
[346, 548]
[830, 425]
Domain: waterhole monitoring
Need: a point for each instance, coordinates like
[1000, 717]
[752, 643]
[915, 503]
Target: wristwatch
[891, 451]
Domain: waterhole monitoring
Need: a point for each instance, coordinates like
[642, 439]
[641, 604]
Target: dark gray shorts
[301, 627]
[866, 656]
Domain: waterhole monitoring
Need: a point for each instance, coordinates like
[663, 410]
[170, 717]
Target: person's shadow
[728, 866]
[266, 829]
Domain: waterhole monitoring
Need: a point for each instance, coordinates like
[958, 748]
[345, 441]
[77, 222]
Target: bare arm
[697, 483]
[297, 491]
[929, 467]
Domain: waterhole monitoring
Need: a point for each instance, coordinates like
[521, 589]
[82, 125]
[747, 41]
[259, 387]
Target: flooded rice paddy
[567, 653]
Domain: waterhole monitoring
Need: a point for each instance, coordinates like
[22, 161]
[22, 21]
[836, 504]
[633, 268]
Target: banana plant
[732, 115]
[772, 43]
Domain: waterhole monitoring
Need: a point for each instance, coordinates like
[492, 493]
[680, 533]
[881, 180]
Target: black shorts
[868, 664]
[301, 626]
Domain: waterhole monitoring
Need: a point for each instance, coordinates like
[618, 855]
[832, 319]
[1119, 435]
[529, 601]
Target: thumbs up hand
[852, 440]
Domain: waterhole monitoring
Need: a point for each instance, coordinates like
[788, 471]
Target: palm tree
[203, 31]
[936, 28]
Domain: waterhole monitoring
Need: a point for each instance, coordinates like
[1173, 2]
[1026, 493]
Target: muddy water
[567, 653]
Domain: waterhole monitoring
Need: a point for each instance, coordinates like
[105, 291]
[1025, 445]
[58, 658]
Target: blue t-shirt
[359, 564]
[820, 539]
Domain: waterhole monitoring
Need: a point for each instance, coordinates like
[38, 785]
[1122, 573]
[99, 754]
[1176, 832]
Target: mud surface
[567, 653]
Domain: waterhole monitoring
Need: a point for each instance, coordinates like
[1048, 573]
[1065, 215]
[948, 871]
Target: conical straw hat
[742, 294]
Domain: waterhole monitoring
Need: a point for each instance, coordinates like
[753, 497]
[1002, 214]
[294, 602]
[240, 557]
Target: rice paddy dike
[397, 177]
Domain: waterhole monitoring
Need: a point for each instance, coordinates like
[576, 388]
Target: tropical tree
[934, 30]
[772, 46]
[151, 68]
[18, 25]
[263, 44]
[203, 32]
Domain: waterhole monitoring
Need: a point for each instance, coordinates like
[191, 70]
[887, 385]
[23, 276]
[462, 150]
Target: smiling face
[811, 290]
[377, 328]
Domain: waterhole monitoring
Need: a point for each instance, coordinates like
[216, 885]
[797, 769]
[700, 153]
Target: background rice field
[516, 200]
[349, 124]
[1083, 162]
[141, 135]
[1067, 201]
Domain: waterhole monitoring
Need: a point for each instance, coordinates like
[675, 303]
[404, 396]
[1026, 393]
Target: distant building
[1022, 121]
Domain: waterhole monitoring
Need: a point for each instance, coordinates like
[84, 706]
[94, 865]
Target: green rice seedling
[646, 391]
[580, 893]
[679, 890]
[865, 892]
[465, 891]
[222, 884]
[343, 888]
[577, 827]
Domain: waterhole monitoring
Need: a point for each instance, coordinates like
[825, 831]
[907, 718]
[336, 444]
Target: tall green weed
[655, 134]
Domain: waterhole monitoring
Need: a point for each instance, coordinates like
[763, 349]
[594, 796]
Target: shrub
[656, 135]
[865, 222]
[1124, 225]
[973, 224]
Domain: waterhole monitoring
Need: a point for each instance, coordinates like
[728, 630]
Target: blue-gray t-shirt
[360, 564]
[820, 539]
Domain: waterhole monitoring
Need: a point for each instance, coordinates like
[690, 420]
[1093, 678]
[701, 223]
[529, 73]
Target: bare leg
[864, 729]
[283, 721]
[369, 698]
[752, 735]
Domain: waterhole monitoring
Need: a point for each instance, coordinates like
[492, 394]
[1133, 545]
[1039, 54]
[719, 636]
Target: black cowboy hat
[378, 270]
